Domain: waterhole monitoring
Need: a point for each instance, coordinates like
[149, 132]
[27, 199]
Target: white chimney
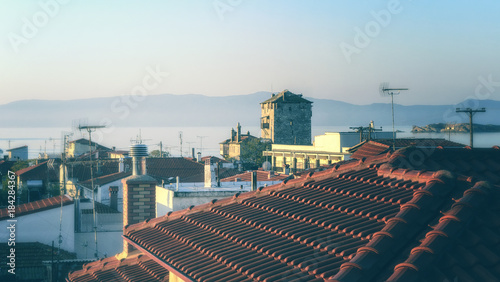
[121, 165]
[210, 176]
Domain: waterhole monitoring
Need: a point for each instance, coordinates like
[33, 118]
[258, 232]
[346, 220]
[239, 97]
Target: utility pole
[471, 113]
[90, 129]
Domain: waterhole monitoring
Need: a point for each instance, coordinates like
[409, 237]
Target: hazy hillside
[200, 110]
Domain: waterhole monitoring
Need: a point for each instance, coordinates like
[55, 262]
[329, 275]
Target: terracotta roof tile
[133, 268]
[37, 206]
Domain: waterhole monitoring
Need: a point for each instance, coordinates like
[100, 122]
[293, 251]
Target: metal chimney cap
[138, 150]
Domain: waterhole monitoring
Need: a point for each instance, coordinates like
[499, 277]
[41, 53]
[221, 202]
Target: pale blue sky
[102, 48]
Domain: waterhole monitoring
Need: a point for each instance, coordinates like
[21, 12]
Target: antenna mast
[385, 90]
[201, 143]
[180, 141]
[90, 129]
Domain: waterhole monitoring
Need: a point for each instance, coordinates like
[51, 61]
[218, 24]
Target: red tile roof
[134, 268]
[261, 176]
[364, 220]
[380, 146]
[103, 180]
[37, 206]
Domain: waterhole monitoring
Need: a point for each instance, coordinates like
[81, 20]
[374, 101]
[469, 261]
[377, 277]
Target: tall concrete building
[286, 119]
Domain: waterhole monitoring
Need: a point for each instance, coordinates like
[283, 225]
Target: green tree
[20, 165]
[156, 154]
[251, 153]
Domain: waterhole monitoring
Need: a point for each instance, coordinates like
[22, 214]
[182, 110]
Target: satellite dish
[266, 166]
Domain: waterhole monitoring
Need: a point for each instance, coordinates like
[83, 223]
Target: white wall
[168, 200]
[103, 194]
[109, 243]
[43, 227]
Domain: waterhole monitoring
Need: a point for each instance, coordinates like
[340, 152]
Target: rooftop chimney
[199, 157]
[192, 153]
[138, 152]
[121, 165]
[210, 176]
[254, 181]
[139, 193]
[113, 197]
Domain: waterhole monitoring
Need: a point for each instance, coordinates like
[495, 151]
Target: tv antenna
[384, 90]
[471, 113]
[201, 143]
[90, 129]
[138, 139]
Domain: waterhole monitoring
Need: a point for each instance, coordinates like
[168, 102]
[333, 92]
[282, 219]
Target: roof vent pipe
[138, 152]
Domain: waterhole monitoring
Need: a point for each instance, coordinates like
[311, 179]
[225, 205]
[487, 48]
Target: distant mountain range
[170, 110]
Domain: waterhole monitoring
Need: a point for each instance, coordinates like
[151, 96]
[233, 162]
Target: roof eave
[170, 268]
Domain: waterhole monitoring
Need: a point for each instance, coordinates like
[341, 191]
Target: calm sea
[204, 139]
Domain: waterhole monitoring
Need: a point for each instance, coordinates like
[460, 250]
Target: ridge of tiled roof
[37, 206]
[289, 97]
[453, 226]
[134, 268]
